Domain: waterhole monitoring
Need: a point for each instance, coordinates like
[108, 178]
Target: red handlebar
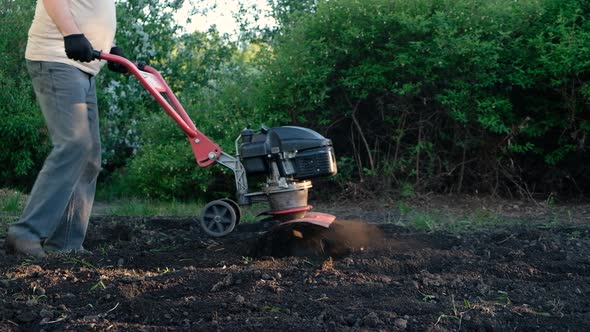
[206, 152]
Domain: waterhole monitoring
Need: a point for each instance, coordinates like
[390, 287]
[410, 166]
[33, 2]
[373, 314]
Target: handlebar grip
[96, 54]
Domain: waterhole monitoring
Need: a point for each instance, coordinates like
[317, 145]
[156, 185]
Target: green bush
[22, 128]
[432, 95]
[455, 95]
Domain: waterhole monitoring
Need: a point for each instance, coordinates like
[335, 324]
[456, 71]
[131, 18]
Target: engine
[298, 153]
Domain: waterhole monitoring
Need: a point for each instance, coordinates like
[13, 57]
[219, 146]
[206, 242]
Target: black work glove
[78, 47]
[117, 67]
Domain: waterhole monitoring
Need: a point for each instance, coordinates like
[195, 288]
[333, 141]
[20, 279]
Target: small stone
[348, 261]
[266, 276]
[217, 287]
[167, 316]
[228, 280]
[240, 299]
[120, 262]
[385, 279]
[401, 323]
[46, 313]
[372, 320]
[92, 318]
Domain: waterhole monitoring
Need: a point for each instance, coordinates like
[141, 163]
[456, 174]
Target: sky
[221, 16]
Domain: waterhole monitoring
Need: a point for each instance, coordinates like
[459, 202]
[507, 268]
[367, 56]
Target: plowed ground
[164, 274]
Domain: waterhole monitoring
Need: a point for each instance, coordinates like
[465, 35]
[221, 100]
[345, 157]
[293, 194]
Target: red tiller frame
[206, 151]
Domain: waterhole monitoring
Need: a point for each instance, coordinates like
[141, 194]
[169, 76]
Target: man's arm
[59, 11]
[76, 45]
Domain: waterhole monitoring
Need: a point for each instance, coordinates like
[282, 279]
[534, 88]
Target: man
[60, 62]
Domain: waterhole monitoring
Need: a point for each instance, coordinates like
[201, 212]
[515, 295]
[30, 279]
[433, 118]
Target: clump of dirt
[302, 239]
[164, 274]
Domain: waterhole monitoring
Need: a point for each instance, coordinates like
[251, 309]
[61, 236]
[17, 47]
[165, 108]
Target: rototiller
[287, 156]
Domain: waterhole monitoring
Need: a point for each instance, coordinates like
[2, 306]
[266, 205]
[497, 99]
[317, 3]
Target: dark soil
[164, 274]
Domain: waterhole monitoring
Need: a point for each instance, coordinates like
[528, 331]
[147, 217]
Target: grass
[143, 208]
[11, 201]
[432, 221]
[147, 208]
[11, 204]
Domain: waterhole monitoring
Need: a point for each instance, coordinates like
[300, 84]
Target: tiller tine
[314, 218]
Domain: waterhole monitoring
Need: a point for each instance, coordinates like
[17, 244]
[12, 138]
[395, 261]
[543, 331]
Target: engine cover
[299, 153]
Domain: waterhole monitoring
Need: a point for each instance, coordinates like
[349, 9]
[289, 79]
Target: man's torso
[95, 18]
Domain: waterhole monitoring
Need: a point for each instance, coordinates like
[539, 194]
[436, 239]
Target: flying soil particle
[304, 239]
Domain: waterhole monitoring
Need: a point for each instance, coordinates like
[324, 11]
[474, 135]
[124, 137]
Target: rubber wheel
[218, 218]
[236, 209]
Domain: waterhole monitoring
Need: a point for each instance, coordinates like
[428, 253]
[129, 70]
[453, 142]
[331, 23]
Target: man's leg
[71, 232]
[61, 91]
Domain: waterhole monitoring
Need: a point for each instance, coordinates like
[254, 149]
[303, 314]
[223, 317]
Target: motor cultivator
[288, 157]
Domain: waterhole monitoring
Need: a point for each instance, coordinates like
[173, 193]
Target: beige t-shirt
[95, 18]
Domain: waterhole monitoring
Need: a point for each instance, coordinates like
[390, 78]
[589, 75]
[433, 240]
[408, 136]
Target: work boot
[56, 251]
[20, 246]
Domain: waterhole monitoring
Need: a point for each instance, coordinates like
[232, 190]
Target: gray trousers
[59, 205]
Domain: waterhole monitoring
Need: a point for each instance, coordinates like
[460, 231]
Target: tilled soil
[164, 274]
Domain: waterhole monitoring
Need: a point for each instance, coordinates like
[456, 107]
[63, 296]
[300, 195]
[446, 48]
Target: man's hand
[114, 66]
[78, 47]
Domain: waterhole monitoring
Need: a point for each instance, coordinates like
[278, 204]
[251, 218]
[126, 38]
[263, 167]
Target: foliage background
[450, 96]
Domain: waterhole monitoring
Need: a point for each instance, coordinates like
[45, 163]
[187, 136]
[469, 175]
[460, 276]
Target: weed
[82, 262]
[271, 308]
[11, 205]
[441, 317]
[467, 304]
[100, 284]
[424, 222]
[28, 262]
[557, 307]
[103, 250]
[404, 208]
[247, 260]
[427, 297]
[163, 249]
[407, 190]
[503, 298]
[164, 270]
[541, 313]
[456, 314]
[11, 201]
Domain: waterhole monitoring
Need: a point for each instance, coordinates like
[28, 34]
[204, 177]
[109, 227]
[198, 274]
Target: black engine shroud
[299, 153]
